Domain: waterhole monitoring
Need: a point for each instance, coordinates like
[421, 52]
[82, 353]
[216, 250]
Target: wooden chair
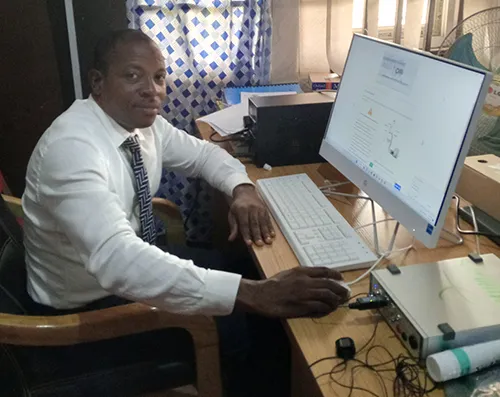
[104, 352]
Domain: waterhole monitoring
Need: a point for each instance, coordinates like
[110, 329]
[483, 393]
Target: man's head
[128, 78]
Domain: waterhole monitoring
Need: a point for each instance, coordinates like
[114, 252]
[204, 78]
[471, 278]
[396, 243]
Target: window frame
[445, 19]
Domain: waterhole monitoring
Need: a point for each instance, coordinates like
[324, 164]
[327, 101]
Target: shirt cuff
[235, 180]
[221, 289]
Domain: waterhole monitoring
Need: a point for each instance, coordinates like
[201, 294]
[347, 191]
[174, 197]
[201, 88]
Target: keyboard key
[330, 233]
[346, 231]
[339, 259]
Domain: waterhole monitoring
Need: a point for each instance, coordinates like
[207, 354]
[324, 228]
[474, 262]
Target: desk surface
[315, 338]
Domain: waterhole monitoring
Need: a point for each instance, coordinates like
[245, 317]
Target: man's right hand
[299, 292]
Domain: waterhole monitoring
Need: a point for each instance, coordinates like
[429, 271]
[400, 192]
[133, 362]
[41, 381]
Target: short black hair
[107, 44]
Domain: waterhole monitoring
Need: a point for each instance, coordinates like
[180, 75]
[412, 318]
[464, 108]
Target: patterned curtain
[207, 45]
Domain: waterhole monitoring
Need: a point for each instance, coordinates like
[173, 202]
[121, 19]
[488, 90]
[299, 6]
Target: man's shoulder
[77, 118]
[78, 124]
[74, 131]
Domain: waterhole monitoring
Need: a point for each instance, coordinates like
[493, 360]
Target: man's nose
[149, 88]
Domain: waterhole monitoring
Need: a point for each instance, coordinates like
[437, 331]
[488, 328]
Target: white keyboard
[313, 227]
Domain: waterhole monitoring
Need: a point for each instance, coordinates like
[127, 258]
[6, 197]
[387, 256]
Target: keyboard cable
[372, 268]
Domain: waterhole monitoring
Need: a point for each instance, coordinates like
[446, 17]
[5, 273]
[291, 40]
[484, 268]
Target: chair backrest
[14, 298]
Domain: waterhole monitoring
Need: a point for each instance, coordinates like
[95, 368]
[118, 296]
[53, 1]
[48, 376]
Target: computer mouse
[346, 286]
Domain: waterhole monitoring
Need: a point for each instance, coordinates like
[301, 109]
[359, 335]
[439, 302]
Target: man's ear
[96, 79]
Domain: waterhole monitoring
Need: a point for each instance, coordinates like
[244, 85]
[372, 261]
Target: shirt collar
[116, 132]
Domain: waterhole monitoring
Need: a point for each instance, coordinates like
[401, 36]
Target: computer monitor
[401, 127]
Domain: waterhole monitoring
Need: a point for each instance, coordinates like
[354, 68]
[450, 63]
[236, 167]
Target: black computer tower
[288, 129]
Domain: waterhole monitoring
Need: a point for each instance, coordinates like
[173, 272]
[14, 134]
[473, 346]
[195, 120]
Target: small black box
[345, 348]
[288, 129]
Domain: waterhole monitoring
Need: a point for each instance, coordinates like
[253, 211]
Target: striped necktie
[142, 189]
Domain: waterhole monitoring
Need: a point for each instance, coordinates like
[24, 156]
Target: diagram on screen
[392, 135]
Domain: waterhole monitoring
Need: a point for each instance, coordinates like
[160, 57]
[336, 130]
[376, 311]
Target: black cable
[321, 360]
[469, 232]
[369, 303]
[408, 381]
[352, 386]
[332, 371]
[371, 337]
[344, 306]
[391, 361]
[408, 378]
[364, 365]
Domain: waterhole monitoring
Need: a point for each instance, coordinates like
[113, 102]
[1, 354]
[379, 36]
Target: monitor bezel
[399, 210]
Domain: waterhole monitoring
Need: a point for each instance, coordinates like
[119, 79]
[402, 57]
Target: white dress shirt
[81, 216]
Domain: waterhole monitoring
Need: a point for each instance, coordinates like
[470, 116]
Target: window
[387, 17]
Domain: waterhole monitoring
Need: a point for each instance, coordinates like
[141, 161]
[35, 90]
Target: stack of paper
[227, 121]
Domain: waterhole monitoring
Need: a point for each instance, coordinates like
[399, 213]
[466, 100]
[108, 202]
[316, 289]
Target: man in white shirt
[82, 228]
[87, 204]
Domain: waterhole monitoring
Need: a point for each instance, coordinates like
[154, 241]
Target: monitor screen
[399, 129]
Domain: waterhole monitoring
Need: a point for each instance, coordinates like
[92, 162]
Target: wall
[31, 83]
[313, 57]
[473, 6]
[35, 70]
[93, 19]
[284, 54]
[299, 39]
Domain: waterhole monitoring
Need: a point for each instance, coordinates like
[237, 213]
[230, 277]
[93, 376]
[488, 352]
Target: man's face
[133, 89]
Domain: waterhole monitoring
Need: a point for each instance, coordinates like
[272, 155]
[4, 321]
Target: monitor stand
[446, 234]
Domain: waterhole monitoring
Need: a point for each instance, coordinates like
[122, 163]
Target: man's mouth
[148, 109]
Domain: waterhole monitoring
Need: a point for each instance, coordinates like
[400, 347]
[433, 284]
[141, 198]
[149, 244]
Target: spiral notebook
[233, 94]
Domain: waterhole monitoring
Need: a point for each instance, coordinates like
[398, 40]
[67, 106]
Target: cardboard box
[324, 81]
[480, 183]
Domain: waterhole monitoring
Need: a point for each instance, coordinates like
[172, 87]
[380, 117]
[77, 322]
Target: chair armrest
[14, 204]
[160, 205]
[118, 321]
[165, 207]
[171, 215]
[97, 325]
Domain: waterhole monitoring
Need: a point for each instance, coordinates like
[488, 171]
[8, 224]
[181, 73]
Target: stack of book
[324, 81]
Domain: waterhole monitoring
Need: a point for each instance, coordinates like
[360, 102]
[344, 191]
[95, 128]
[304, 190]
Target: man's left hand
[249, 215]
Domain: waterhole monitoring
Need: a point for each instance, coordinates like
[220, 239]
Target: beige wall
[284, 55]
[472, 6]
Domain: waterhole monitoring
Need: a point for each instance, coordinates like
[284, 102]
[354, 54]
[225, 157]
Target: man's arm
[74, 188]
[198, 158]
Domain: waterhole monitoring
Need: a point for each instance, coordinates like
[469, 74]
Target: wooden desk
[315, 339]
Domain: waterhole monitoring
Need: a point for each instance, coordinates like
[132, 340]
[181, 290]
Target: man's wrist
[242, 189]
[246, 298]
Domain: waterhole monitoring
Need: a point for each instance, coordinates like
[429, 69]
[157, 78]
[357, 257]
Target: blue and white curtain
[207, 45]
